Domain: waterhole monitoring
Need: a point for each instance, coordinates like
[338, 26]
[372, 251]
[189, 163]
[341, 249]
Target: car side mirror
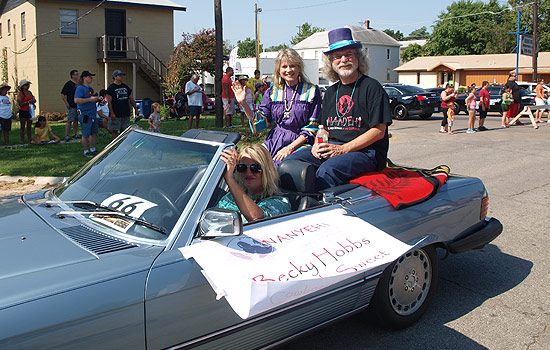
[217, 222]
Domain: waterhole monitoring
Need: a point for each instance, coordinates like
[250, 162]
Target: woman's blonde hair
[289, 56]
[270, 177]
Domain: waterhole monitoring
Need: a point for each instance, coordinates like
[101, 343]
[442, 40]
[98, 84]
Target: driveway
[496, 297]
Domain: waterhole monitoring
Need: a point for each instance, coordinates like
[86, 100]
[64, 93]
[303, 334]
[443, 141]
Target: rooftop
[494, 61]
[367, 36]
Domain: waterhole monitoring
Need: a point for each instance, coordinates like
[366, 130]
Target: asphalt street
[493, 298]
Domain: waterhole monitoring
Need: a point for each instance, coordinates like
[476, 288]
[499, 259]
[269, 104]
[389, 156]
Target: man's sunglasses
[255, 168]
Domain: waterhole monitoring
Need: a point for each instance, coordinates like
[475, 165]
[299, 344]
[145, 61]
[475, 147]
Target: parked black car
[408, 100]
[527, 99]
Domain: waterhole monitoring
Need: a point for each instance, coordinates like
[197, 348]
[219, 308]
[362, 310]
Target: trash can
[145, 107]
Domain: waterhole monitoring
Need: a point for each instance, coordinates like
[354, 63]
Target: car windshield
[142, 175]
[407, 89]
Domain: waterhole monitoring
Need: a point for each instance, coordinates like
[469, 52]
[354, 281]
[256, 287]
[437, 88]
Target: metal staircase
[131, 49]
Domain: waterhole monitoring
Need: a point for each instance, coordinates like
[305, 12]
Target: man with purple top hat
[356, 113]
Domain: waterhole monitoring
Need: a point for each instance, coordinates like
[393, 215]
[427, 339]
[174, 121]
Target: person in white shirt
[194, 98]
[103, 110]
[5, 112]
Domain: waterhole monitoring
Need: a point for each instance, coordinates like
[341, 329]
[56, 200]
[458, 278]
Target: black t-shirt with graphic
[68, 90]
[348, 114]
[120, 99]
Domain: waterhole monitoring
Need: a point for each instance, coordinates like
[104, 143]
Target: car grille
[94, 240]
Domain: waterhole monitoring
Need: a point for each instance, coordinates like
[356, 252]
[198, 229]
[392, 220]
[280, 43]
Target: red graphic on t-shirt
[345, 104]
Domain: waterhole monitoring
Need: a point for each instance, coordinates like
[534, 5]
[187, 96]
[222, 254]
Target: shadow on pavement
[466, 281]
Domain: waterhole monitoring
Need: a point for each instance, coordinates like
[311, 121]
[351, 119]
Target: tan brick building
[43, 40]
[433, 71]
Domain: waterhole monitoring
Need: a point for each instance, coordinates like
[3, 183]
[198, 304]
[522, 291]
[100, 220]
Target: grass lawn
[64, 159]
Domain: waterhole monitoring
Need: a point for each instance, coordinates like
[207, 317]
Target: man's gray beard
[345, 73]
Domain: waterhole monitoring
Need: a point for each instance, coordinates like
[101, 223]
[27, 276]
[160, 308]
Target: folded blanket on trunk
[403, 186]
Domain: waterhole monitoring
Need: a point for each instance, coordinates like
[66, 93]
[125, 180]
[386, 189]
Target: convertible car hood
[28, 244]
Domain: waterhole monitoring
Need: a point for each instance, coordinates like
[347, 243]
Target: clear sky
[279, 19]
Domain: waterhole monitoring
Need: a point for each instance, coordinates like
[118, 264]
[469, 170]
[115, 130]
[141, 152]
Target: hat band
[341, 44]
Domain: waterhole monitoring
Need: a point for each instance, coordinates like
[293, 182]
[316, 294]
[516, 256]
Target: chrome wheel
[409, 283]
[400, 112]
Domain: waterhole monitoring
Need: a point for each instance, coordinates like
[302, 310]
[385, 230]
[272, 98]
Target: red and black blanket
[403, 186]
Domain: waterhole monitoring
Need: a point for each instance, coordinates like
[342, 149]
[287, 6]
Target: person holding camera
[87, 110]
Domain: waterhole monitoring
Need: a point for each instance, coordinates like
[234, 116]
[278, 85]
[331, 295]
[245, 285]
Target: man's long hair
[331, 74]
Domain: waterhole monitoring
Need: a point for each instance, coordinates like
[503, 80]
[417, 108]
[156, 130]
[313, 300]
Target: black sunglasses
[255, 168]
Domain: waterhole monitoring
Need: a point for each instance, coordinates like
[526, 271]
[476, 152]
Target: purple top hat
[341, 38]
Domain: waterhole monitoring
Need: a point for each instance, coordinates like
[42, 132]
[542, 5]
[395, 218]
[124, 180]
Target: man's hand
[315, 150]
[328, 150]
[112, 115]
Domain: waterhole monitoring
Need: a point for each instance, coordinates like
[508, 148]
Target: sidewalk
[10, 185]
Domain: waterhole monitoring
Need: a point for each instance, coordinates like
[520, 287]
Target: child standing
[155, 119]
[450, 117]
[259, 95]
[249, 99]
[5, 112]
[41, 130]
[103, 110]
[505, 105]
[471, 103]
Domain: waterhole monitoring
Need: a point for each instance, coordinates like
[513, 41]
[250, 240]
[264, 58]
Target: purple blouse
[304, 114]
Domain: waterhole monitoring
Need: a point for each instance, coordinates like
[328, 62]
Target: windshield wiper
[109, 211]
[90, 203]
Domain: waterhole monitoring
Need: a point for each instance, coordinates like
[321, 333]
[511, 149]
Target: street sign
[526, 45]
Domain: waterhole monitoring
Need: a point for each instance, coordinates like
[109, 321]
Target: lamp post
[257, 25]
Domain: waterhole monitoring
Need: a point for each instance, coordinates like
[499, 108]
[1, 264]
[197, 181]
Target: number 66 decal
[128, 204]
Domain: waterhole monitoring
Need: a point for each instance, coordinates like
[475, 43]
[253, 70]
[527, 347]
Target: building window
[388, 74]
[9, 27]
[388, 53]
[418, 78]
[23, 26]
[68, 22]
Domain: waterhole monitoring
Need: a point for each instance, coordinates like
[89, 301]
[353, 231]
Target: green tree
[277, 47]
[194, 54]
[418, 34]
[411, 52]
[247, 48]
[227, 47]
[467, 28]
[396, 34]
[304, 31]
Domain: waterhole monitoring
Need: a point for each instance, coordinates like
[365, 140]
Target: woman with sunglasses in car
[255, 191]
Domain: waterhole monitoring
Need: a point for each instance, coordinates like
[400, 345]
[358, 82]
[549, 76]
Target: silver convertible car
[95, 262]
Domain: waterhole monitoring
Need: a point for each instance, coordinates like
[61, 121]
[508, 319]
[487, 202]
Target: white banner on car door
[275, 264]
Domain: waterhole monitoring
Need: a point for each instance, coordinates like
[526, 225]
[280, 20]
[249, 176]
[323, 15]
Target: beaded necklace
[286, 114]
[351, 97]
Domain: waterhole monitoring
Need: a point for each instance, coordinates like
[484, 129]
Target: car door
[182, 310]
[393, 94]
